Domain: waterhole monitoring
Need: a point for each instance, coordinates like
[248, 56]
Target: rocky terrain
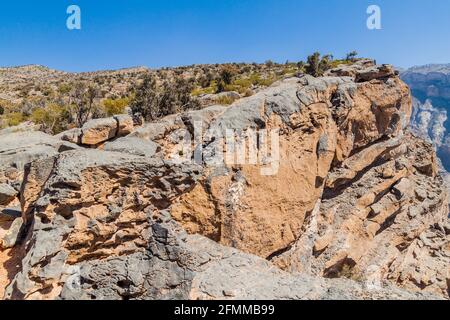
[17, 83]
[350, 206]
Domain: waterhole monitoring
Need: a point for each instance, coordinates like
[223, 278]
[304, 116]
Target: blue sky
[155, 33]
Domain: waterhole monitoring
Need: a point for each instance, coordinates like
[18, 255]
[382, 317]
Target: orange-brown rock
[390, 218]
[321, 123]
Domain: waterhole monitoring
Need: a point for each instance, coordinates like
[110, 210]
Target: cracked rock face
[324, 123]
[354, 208]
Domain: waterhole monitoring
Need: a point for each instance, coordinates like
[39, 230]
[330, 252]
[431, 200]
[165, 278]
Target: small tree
[317, 65]
[83, 100]
[312, 64]
[227, 74]
[269, 63]
[301, 65]
[52, 118]
[351, 56]
[153, 101]
[146, 100]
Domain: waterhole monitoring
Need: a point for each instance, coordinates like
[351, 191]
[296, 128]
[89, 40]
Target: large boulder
[11, 236]
[97, 131]
[89, 205]
[71, 135]
[376, 218]
[17, 149]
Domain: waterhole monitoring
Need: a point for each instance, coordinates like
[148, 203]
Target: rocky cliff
[311, 189]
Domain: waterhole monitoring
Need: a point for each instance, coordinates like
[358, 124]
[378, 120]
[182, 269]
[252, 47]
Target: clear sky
[155, 33]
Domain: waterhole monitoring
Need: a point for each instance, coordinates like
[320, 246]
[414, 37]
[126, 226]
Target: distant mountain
[430, 86]
[430, 68]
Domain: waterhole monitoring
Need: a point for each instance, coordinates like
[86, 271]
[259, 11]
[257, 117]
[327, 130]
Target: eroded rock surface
[353, 207]
[322, 123]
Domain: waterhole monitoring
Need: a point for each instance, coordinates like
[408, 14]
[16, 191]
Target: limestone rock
[72, 135]
[136, 146]
[125, 124]
[26, 126]
[321, 123]
[124, 193]
[351, 207]
[17, 149]
[7, 194]
[10, 238]
[10, 214]
[20, 148]
[98, 130]
[374, 222]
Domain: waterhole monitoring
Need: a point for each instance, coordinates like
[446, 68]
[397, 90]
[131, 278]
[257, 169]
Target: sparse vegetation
[31, 92]
[52, 119]
[154, 100]
[115, 106]
[351, 56]
[83, 101]
[317, 65]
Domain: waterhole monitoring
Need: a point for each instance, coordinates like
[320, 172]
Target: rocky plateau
[356, 208]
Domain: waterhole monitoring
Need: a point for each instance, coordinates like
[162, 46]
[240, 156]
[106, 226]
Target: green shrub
[351, 56]
[317, 65]
[53, 118]
[208, 90]
[336, 63]
[224, 100]
[64, 89]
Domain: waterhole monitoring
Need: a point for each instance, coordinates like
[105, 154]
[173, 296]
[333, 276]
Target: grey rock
[72, 135]
[125, 124]
[20, 148]
[23, 127]
[11, 237]
[158, 130]
[7, 194]
[99, 223]
[132, 145]
[99, 130]
[375, 72]
[403, 188]
[216, 97]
